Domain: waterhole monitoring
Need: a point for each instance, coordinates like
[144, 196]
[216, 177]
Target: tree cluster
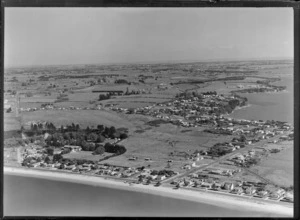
[219, 150]
[163, 172]
[114, 148]
[121, 81]
[104, 96]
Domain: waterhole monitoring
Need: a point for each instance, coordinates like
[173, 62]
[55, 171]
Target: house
[57, 165]
[152, 177]
[216, 186]
[250, 191]
[73, 148]
[218, 172]
[132, 158]
[289, 196]
[187, 167]
[194, 175]
[261, 194]
[274, 196]
[228, 186]
[161, 177]
[71, 167]
[206, 185]
[85, 165]
[237, 190]
[146, 172]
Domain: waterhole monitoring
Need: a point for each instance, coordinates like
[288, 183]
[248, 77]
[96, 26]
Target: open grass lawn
[11, 122]
[86, 155]
[278, 167]
[83, 96]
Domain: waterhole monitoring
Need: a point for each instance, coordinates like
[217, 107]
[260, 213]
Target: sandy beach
[227, 201]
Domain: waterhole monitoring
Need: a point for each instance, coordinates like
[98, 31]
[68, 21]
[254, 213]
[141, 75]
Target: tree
[40, 126]
[66, 136]
[154, 172]
[140, 178]
[106, 131]
[57, 157]
[243, 138]
[47, 160]
[92, 137]
[100, 128]
[92, 147]
[84, 146]
[112, 130]
[52, 127]
[99, 150]
[123, 136]
[35, 127]
[50, 151]
[100, 139]
[9, 110]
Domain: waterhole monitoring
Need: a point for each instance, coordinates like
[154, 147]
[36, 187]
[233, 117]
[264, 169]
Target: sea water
[278, 106]
[28, 196]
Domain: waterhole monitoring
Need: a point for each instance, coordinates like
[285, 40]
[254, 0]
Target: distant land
[156, 62]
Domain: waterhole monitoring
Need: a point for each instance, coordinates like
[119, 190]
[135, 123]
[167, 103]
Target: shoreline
[210, 198]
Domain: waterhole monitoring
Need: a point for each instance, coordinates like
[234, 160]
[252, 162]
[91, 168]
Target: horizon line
[155, 62]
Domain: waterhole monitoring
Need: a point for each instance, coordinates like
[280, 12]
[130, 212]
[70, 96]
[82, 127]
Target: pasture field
[86, 155]
[82, 117]
[158, 143]
[11, 122]
[279, 167]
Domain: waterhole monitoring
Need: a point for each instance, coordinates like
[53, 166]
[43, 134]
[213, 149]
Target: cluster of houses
[182, 107]
[151, 175]
[247, 188]
[38, 156]
[194, 112]
[217, 171]
[51, 107]
[241, 159]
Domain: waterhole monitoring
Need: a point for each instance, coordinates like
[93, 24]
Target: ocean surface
[270, 106]
[28, 196]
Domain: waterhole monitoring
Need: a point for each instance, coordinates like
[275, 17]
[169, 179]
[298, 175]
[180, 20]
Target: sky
[60, 36]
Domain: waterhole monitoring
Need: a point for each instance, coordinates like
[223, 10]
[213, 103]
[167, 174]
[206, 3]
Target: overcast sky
[46, 36]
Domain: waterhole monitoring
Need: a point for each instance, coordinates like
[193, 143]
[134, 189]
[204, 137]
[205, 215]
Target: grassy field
[82, 117]
[278, 167]
[158, 142]
[11, 122]
[86, 155]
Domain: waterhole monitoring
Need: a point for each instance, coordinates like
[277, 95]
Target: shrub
[57, 157]
[124, 136]
[99, 150]
[66, 151]
[50, 151]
